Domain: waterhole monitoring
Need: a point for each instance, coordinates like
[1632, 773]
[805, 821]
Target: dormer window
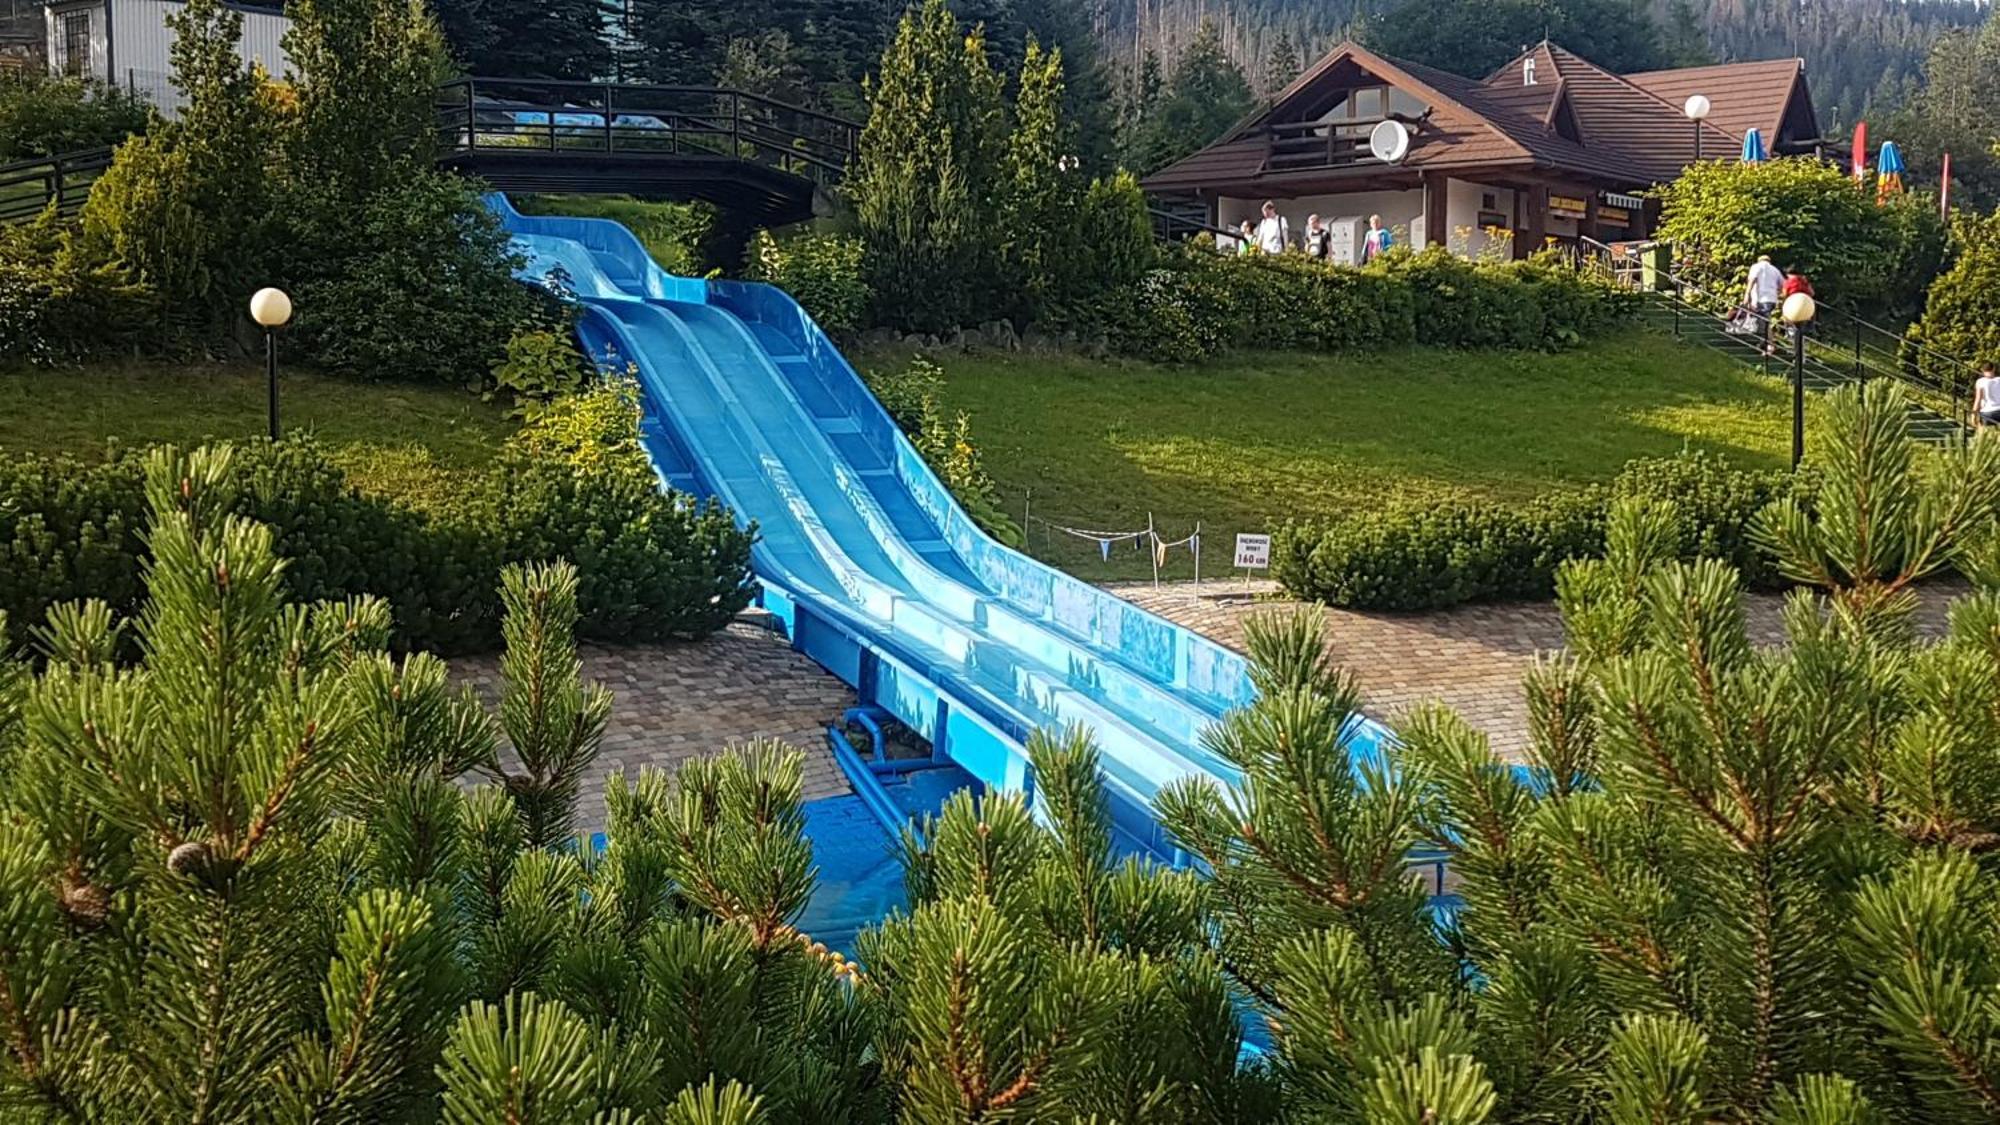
[1527, 72]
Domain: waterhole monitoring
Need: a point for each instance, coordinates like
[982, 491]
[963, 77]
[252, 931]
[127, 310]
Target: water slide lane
[753, 405]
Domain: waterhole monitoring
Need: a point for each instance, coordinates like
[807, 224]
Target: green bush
[540, 367]
[945, 440]
[1441, 554]
[417, 285]
[1201, 303]
[1961, 324]
[56, 306]
[673, 233]
[43, 116]
[822, 272]
[1434, 555]
[652, 565]
[1807, 213]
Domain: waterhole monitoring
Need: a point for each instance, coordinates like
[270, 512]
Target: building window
[76, 44]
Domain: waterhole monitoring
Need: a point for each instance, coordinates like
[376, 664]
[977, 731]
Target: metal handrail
[30, 187]
[1837, 339]
[473, 112]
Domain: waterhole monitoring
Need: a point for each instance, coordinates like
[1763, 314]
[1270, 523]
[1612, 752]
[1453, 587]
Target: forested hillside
[1859, 53]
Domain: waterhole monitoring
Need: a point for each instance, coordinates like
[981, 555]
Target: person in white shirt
[1273, 234]
[1986, 397]
[1761, 295]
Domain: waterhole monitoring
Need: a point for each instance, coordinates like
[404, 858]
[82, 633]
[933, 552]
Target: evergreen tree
[527, 38]
[364, 94]
[185, 208]
[924, 182]
[1044, 192]
[1281, 65]
[1205, 94]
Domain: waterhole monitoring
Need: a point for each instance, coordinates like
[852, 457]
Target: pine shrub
[652, 565]
[1435, 555]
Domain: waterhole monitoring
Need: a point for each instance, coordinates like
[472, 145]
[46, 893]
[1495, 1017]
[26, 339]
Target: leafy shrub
[1202, 303]
[945, 441]
[822, 272]
[42, 116]
[1962, 312]
[1716, 505]
[540, 366]
[417, 285]
[1807, 213]
[673, 233]
[1435, 555]
[57, 307]
[653, 565]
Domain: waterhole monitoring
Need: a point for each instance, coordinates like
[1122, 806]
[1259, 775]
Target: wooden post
[1590, 227]
[1534, 225]
[1437, 195]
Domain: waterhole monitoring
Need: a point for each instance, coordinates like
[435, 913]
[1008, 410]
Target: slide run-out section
[872, 567]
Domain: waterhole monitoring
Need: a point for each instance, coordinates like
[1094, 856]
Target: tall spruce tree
[925, 180]
[1205, 93]
[527, 38]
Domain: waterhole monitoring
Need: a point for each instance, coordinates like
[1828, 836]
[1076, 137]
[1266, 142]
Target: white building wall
[1401, 211]
[1464, 201]
[132, 45]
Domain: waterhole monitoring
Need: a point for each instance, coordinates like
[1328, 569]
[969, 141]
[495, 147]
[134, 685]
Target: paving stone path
[1468, 657]
[675, 701]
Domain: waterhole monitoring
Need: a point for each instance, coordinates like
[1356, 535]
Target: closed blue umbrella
[1888, 171]
[1753, 147]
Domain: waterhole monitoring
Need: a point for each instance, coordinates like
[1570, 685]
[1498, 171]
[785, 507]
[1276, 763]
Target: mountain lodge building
[1548, 146]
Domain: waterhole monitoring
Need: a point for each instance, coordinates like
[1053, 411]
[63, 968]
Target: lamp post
[272, 310]
[1696, 108]
[1798, 312]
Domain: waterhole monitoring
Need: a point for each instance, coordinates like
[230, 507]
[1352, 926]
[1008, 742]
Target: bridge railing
[28, 187]
[569, 118]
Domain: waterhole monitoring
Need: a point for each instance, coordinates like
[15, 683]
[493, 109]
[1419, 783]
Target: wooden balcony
[1303, 145]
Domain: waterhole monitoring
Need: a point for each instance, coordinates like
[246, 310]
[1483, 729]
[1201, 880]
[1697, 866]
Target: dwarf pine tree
[1741, 883]
[240, 880]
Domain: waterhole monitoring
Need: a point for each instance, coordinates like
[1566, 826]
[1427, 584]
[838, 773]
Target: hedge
[652, 565]
[1201, 303]
[1444, 554]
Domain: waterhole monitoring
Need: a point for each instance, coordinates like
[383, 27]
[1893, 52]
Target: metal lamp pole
[1798, 312]
[272, 310]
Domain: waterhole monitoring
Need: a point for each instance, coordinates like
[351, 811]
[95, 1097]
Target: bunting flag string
[1140, 539]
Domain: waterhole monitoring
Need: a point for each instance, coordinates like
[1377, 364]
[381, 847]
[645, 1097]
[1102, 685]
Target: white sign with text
[1253, 552]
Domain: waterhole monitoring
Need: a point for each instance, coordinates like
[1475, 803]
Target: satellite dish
[1389, 142]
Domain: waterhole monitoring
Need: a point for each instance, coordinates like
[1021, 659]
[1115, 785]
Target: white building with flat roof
[128, 43]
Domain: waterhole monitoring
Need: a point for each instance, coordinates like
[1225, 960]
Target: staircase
[1841, 349]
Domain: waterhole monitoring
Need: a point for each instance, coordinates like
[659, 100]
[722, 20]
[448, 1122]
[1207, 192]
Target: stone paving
[1468, 657]
[676, 701]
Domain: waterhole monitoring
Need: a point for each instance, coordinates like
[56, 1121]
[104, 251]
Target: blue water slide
[874, 570]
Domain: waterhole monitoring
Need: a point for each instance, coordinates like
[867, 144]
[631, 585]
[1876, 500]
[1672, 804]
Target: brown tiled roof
[1629, 131]
[1744, 96]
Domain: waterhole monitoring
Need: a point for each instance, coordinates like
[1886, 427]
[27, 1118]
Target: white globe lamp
[271, 308]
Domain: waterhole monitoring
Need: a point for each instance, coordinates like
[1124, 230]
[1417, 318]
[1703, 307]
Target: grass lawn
[392, 438]
[1244, 443]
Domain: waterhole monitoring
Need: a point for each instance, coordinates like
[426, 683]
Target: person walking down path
[1760, 293]
[1986, 397]
[1377, 241]
[1273, 234]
